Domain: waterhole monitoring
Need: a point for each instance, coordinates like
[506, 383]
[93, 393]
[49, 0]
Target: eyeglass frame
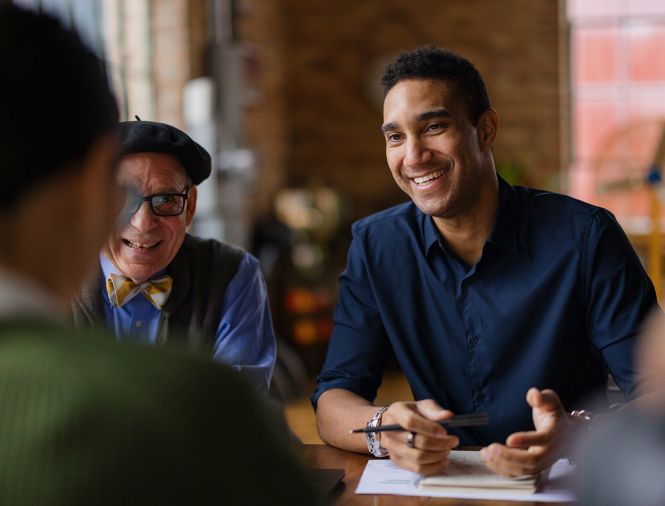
[140, 199]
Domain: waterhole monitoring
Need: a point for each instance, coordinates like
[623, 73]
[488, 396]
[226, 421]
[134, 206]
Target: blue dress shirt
[554, 301]
[245, 338]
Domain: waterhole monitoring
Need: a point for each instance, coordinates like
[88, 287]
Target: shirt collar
[107, 266]
[505, 232]
[504, 235]
[430, 233]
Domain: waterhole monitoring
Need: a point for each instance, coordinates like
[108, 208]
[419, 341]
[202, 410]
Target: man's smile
[421, 180]
[430, 179]
[140, 245]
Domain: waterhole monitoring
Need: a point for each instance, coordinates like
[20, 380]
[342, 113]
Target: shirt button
[138, 323]
[479, 397]
[473, 340]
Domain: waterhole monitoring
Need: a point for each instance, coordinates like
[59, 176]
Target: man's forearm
[338, 411]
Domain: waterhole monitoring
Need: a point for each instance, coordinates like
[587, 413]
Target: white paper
[467, 470]
[384, 477]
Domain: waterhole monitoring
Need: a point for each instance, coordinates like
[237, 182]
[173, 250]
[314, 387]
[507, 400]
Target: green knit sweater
[86, 421]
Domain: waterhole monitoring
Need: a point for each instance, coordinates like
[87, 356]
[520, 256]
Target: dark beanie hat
[153, 137]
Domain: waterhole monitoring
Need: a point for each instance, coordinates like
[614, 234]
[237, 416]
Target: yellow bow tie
[121, 290]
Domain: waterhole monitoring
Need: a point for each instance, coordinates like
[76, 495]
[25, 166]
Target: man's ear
[191, 206]
[488, 124]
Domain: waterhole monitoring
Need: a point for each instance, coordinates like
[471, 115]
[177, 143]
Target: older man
[85, 420]
[157, 284]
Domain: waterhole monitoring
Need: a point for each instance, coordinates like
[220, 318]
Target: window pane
[646, 61]
[595, 54]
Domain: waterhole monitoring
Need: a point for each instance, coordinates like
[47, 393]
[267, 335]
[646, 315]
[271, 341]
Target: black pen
[466, 420]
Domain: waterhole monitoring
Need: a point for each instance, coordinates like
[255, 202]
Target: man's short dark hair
[55, 100]
[430, 62]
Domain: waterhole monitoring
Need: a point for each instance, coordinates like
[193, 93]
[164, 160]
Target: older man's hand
[430, 445]
[531, 452]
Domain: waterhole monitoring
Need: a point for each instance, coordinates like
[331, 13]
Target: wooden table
[324, 456]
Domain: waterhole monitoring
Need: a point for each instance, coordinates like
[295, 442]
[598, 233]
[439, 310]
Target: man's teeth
[428, 177]
[140, 246]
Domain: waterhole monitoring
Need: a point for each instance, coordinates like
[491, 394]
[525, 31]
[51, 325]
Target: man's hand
[431, 444]
[531, 452]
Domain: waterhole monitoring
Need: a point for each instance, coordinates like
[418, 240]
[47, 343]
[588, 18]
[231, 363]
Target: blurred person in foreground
[493, 298]
[621, 461]
[84, 420]
[157, 284]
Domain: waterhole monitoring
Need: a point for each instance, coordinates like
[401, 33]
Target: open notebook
[467, 471]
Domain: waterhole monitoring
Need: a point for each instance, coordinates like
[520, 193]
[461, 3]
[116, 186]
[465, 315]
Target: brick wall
[261, 28]
[321, 107]
[153, 45]
[170, 33]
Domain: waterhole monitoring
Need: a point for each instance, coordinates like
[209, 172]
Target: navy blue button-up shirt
[554, 301]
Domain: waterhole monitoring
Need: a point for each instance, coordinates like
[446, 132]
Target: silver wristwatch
[373, 444]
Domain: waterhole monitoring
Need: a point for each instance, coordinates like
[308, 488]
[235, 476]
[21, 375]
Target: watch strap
[373, 444]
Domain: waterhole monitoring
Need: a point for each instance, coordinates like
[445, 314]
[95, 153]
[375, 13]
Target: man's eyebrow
[168, 189]
[438, 113]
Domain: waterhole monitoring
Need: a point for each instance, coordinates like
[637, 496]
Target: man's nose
[416, 152]
[144, 219]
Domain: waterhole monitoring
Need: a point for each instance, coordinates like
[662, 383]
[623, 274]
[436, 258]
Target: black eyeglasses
[161, 204]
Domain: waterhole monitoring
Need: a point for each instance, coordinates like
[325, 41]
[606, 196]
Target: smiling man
[157, 284]
[484, 292]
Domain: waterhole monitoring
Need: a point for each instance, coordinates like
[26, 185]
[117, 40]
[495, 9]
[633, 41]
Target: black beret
[153, 137]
